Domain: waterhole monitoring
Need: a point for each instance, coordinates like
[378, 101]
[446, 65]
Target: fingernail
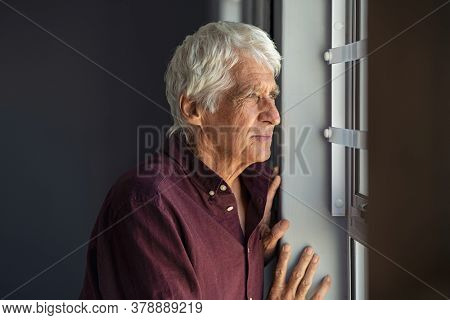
[315, 259]
[286, 247]
[328, 278]
[309, 251]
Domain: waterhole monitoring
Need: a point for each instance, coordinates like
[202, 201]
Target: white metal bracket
[346, 137]
[349, 52]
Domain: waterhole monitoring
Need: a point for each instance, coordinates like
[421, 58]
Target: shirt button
[223, 187]
[211, 193]
[230, 208]
[250, 298]
[248, 250]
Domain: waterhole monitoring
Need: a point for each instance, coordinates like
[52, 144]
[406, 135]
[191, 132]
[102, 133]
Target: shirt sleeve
[141, 255]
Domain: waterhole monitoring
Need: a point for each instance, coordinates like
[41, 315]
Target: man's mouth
[262, 138]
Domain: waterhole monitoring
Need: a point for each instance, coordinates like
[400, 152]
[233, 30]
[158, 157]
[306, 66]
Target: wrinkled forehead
[249, 66]
[251, 74]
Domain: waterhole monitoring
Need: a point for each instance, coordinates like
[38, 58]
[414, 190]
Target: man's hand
[270, 236]
[301, 277]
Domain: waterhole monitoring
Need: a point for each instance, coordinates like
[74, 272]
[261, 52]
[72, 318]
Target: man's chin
[256, 154]
[264, 155]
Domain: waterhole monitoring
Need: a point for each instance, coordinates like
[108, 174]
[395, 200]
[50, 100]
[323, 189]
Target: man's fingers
[280, 228]
[272, 190]
[270, 237]
[270, 195]
[264, 230]
[276, 233]
[299, 271]
[325, 285]
[300, 279]
[305, 284]
[275, 171]
[266, 236]
[279, 280]
[274, 186]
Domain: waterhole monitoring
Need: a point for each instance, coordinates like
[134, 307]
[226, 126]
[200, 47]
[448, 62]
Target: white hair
[200, 67]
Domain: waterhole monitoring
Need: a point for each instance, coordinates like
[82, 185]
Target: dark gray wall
[68, 128]
[409, 113]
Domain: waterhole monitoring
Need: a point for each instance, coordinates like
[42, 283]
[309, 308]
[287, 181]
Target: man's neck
[228, 169]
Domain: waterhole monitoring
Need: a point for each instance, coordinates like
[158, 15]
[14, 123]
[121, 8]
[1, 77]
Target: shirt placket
[249, 288]
[226, 211]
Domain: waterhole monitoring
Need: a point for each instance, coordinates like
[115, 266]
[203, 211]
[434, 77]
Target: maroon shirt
[173, 232]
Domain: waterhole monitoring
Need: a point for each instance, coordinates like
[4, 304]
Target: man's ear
[190, 110]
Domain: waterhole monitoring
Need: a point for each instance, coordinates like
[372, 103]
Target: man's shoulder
[143, 183]
[135, 199]
[147, 179]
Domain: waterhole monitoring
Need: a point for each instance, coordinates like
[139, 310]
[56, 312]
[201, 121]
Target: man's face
[242, 127]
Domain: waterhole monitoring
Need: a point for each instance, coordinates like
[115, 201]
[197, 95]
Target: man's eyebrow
[243, 90]
[276, 90]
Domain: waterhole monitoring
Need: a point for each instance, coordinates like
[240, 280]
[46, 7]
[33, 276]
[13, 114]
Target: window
[348, 132]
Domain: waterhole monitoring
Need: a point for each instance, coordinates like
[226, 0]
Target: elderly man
[196, 225]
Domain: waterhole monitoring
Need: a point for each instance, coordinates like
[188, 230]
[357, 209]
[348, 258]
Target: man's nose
[270, 112]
